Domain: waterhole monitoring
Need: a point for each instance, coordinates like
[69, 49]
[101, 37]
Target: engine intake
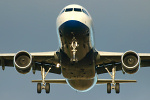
[130, 62]
[22, 62]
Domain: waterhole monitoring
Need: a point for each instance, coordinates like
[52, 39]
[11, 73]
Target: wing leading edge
[49, 59]
[110, 59]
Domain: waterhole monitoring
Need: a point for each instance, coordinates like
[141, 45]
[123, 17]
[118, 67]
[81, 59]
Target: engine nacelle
[22, 62]
[130, 62]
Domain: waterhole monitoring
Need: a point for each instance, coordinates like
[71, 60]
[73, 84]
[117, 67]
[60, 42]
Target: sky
[119, 26]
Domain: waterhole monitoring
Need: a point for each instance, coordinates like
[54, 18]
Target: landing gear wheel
[108, 88]
[47, 88]
[117, 88]
[39, 88]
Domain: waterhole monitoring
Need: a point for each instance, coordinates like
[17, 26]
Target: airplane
[76, 58]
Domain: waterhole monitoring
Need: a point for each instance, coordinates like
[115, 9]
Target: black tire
[108, 88]
[117, 88]
[39, 88]
[47, 88]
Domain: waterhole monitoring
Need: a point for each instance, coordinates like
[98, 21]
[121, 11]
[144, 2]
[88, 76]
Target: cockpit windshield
[85, 12]
[69, 9]
[77, 9]
[74, 9]
[62, 11]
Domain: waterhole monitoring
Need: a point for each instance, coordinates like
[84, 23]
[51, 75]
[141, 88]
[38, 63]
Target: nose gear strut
[74, 45]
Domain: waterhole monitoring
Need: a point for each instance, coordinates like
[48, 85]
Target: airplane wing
[6, 60]
[48, 58]
[107, 59]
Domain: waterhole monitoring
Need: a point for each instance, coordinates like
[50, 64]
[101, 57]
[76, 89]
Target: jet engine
[130, 62]
[22, 62]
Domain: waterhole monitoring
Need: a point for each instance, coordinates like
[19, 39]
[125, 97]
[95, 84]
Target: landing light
[58, 65]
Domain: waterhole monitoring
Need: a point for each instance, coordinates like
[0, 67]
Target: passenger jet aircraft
[76, 58]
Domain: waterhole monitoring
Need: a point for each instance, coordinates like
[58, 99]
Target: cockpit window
[69, 9]
[85, 12]
[74, 9]
[62, 11]
[77, 9]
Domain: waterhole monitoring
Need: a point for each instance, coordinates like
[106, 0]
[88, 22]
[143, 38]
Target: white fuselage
[76, 43]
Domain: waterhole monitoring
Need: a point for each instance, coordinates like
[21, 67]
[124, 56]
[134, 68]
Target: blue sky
[30, 25]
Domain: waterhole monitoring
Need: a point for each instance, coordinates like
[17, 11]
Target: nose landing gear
[74, 45]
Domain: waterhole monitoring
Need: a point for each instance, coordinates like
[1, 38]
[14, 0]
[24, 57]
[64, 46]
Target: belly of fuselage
[82, 85]
[78, 62]
[83, 69]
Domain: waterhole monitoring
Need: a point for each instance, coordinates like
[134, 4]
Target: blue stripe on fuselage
[73, 26]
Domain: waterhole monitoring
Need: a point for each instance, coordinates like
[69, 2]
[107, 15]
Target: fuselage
[76, 43]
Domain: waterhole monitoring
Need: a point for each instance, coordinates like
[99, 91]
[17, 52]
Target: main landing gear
[116, 87]
[113, 84]
[44, 85]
